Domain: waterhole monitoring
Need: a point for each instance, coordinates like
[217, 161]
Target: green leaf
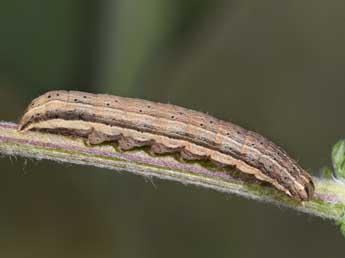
[326, 172]
[341, 223]
[338, 158]
[342, 228]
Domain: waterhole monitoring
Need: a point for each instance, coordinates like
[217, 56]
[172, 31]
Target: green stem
[328, 201]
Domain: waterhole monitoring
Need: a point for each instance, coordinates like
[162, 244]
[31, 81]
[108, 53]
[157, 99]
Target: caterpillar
[167, 129]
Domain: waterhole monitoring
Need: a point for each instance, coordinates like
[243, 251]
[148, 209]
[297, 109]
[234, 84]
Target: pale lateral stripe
[86, 126]
[58, 103]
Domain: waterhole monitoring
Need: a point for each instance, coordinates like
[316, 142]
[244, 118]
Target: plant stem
[328, 201]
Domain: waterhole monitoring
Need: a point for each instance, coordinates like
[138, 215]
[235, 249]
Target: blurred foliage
[138, 33]
[338, 159]
[41, 44]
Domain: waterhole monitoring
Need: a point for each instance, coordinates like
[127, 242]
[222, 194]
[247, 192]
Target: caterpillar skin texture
[167, 129]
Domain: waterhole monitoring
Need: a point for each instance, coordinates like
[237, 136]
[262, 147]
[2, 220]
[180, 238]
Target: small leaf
[342, 229]
[338, 158]
[341, 223]
[326, 172]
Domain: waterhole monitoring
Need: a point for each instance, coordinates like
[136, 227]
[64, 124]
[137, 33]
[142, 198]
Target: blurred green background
[275, 67]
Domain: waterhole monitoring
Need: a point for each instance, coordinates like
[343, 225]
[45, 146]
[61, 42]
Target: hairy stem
[328, 201]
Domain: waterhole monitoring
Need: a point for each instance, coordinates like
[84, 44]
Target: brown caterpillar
[165, 129]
